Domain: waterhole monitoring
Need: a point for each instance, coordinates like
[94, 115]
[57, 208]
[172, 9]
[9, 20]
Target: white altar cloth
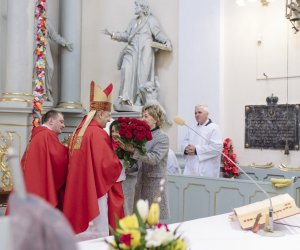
[219, 233]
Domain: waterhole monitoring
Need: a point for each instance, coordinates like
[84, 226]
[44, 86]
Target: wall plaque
[272, 126]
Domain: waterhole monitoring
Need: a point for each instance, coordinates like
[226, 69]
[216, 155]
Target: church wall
[220, 52]
[216, 60]
[3, 18]
[199, 60]
[257, 40]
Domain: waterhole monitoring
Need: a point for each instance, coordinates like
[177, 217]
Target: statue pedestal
[129, 108]
[116, 114]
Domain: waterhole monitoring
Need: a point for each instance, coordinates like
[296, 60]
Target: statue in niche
[52, 35]
[136, 61]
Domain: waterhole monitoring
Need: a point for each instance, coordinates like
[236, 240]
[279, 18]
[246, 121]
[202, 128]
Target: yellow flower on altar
[129, 222]
[133, 232]
[180, 245]
[130, 225]
[154, 213]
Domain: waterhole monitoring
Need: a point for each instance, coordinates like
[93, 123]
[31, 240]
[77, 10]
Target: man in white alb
[202, 152]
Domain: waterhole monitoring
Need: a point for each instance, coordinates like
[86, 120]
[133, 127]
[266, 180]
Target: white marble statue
[136, 60]
[148, 93]
[52, 35]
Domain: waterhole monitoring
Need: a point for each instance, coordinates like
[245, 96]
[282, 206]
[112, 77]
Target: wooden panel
[197, 197]
[196, 201]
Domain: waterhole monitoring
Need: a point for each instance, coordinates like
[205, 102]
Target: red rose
[148, 135]
[229, 159]
[139, 137]
[122, 132]
[126, 239]
[123, 124]
[235, 170]
[132, 126]
[135, 132]
[128, 135]
[159, 225]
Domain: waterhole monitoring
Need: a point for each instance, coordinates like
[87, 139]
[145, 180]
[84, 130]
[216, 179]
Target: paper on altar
[283, 206]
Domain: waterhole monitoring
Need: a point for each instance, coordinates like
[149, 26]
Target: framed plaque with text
[272, 126]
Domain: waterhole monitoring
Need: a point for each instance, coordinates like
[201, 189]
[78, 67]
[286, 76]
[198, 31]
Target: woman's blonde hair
[156, 112]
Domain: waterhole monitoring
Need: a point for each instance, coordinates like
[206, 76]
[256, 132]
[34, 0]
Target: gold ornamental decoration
[6, 177]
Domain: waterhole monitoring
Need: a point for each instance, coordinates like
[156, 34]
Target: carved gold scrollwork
[6, 177]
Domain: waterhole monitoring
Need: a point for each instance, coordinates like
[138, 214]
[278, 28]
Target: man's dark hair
[50, 114]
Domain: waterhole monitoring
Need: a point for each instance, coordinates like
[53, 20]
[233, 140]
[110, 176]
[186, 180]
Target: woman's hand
[129, 148]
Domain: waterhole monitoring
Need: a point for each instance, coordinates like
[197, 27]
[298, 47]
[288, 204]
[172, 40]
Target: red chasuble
[93, 172]
[45, 164]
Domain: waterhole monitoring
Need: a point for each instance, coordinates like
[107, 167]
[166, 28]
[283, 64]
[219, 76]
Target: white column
[71, 61]
[19, 52]
[3, 18]
[199, 60]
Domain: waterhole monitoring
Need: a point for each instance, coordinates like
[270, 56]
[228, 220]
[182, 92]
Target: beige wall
[245, 61]
[100, 53]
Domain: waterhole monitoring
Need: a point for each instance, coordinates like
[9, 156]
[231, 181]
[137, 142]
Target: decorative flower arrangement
[130, 131]
[142, 231]
[230, 170]
[40, 64]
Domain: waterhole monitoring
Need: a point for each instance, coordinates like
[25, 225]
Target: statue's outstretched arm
[55, 37]
[107, 32]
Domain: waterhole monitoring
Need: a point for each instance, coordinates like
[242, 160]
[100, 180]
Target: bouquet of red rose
[230, 170]
[133, 132]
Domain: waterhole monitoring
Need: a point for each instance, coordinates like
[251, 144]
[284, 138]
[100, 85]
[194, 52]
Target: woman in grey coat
[152, 167]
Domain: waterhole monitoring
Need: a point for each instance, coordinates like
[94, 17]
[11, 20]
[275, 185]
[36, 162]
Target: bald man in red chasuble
[93, 196]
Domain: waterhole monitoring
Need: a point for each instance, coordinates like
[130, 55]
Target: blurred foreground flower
[153, 216]
[141, 231]
[142, 207]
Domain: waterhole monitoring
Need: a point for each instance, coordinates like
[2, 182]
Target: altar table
[220, 233]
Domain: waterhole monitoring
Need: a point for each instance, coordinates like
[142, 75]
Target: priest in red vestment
[45, 160]
[93, 196]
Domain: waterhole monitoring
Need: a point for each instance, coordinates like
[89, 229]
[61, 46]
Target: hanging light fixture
[292, 13]
[243, 2]
[286, 146]
[240, 2]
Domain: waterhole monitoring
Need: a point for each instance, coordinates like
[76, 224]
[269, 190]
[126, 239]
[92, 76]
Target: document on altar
[283, 206]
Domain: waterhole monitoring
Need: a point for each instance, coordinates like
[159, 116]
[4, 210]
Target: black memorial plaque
[272, 126]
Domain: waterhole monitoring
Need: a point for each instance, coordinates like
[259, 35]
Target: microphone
[180, 121]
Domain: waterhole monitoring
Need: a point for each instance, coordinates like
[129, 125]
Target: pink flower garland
[40, 64]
